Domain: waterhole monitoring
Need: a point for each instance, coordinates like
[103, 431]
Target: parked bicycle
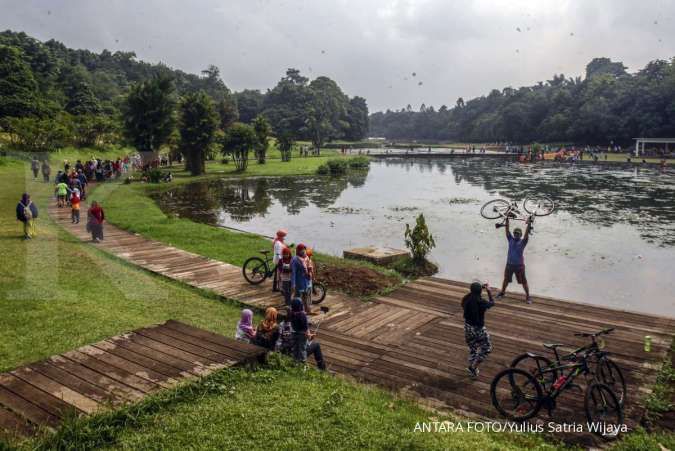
[256, 270]
[503, 209]
[518, 395]
[606, 371]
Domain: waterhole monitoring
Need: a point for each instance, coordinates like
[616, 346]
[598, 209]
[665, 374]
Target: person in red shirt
[95, 219]
[75, 206]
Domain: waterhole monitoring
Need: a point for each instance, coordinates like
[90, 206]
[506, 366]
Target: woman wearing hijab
[475, 333]
[284, 266]
[278, 247]
[245, 331]
[95, 219]
[303, 338]
[267, 333]
[27, 213]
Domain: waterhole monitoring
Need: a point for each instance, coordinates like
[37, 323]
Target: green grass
[277, 407]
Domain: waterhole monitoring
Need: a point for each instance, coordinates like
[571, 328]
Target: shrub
[419, 240]
[154, 175]
[360, 162]
[323, 169]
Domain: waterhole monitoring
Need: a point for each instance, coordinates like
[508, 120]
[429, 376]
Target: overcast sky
[371, 48]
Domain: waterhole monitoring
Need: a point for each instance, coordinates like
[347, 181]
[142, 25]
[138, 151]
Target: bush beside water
[340, 166]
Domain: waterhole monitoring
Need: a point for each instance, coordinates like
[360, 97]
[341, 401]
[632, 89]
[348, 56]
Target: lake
[611, 240]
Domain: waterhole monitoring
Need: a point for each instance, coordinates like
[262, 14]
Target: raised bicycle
[256, 270]
[502, 209]
[605, 371]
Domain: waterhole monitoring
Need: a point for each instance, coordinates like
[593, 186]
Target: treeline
[609, 104]
[51, 95]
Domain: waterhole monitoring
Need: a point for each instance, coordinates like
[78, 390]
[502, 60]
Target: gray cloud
[371, 47]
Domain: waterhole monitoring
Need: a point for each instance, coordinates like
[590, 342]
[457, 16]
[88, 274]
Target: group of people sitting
[293, 336]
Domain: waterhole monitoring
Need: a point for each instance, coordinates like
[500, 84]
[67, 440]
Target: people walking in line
[515, 260]
[27, 213]
[475, 333]
[95, 220]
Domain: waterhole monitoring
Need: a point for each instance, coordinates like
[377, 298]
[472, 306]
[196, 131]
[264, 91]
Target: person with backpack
[475, 333]
[61, 193]
[27, 213]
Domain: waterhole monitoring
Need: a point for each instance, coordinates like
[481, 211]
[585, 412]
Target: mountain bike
[504, 209]
[518, 396]
[256, 270]
[606, 371]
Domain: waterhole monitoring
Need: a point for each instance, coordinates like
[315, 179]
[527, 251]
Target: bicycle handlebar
[593, 335]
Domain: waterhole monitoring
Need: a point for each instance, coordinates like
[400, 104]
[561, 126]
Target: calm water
[611, 240]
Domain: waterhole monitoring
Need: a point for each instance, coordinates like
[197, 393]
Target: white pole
[637, 146]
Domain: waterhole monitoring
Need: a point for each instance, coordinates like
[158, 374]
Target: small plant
[360, 162]
[154, 175]
[419, 240]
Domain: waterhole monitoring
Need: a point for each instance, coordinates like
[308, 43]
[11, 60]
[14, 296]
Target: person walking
[75, 207]
[95, 220]
[46, 171]
[27, 213]
[475, 333]
[35, 167]
[61, 193]
[515, 260]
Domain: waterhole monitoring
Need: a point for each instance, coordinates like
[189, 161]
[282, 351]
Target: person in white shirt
[278, 248]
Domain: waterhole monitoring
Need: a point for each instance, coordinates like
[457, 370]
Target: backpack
[27, 212]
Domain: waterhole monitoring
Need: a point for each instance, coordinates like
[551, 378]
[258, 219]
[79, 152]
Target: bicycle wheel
[494, 209]
[255, 270]
[516, 394]
[609, 374]
[318, 293]
[539, 206]
[603, 411]
[538, 366]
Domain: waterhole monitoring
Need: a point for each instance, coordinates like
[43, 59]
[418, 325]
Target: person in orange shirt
[75, 206]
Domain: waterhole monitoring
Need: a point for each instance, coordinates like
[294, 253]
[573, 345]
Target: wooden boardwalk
[412, 340]
[111, 373]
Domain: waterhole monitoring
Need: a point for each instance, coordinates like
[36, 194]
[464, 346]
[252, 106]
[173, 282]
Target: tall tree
[197, 125]
[227, 112]
[357, 119]
[249, 104]
[18, 89]
[149, 115]
[262, 131]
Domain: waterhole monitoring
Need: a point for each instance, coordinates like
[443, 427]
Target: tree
[605, 66]
[80, 98]
[197, 125]
[285, 142]
[227, 112]
[249, 104]
[18, 88]
[262, 131]
[238, 140]
[149, 115]
[419, 240]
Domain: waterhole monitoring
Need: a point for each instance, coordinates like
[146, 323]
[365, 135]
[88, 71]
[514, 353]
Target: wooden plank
[138, 357]
[14, 425]
[26, 409]
[230, 352]
[139, 346]
[128, 366]
[214, 338]
[43, 399]
[181, 348]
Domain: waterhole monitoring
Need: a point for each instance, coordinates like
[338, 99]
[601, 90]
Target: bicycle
[606, 370]
[518, 396]
[504, 209]
[256, 271]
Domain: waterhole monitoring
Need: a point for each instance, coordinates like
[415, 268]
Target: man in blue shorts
[515, 261]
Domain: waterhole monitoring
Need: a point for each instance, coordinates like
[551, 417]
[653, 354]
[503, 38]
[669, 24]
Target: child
[285, 275]
[475, 333]
[245, 331]
[75, 206]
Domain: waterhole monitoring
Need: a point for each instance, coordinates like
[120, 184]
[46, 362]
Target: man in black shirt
[475, 333]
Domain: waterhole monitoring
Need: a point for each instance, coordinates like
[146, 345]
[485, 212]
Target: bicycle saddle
[265, 251]
[552, 345]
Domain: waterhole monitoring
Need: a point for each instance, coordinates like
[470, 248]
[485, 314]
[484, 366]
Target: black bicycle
[606, 371]
[518, 396]
[256, 270]
[503, 209]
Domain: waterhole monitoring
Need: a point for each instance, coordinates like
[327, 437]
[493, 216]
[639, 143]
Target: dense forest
[53, 95]
[608, 104]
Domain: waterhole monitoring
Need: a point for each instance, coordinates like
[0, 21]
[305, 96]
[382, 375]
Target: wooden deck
[412, 340]
[111, 373]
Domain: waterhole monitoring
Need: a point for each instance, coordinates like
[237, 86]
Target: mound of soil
[353, 280]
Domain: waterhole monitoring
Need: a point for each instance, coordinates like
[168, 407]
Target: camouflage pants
[479, 343]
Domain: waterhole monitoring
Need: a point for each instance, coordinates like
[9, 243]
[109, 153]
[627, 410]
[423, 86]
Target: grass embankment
[57, 293]
[131, 207]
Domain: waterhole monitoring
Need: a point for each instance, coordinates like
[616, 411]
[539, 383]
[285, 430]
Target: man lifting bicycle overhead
[515, 260]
